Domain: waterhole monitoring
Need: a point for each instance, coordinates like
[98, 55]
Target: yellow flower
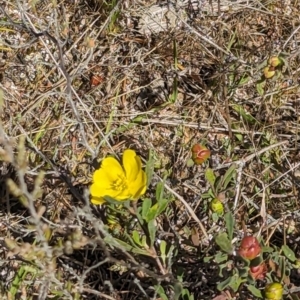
[120, 183]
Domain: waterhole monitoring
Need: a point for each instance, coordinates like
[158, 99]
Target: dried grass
[83, 79]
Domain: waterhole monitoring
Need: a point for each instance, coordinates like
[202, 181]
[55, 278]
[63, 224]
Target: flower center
[119, 184]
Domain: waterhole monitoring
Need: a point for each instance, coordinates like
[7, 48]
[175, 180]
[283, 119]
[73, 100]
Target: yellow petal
[138, 187]
[104, 182]
[132, 164]
[112, 167]
[102, 178]
[97, 200]
[98, 192]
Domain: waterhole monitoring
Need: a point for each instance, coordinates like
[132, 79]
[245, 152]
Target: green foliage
[20, 277]
[229, 220]
[223, 242]
[289, 253]
[255, 291]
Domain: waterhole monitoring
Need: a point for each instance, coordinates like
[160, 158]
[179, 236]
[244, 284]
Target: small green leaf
[245, 79]
[229, 175]
[127, 246]
[224, 284]
[152, 231]
[220, 257]
[139, 216]
[239, 137]
[207, 259]
[163, 246]
[229, 220]
[215, 217]
[177, 290]
[210, 177]
[260, 87]
[150, 167]
[152, 213]
[159, 191]
[235, 284]
[136, 238]
[146, 206]
[289, 253]
[189, 163]
[282, 267]
[255, 291]
[223, 242]
[162, 204]
[244, 114]
[161, 292]
[222, 267]
[266, 249]
[185, 295]
[171, 252]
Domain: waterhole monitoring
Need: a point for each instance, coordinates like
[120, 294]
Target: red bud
[200, 154]
[249, 248]
[258, 272]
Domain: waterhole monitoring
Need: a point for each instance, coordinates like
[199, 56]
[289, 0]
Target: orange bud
[95, 80]
[269, 72]
[274, 61]
[200, 154]
[249, 248]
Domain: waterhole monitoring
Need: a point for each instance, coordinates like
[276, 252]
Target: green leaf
[289, 253]
[229, 220]
[207, 259]
[215, 217]
[152, 231]
[282, 267]
[146, 207]
[189, 163]
[126, 246]
[156, 210]
[163, 246]
[255, 291]
[152, 213]
[19, 278]
[223, 242]
[267, 249]
[162, 204]
[224, 284]
[210, 177]
[221, 267]
[171, 252]
[245, 79]
[239, 137]
[159, 193]
[244, 114]
[149, 170]
[230, 173]
[177, 290]
[161, 292]
[136, 238]
[185, 295]
[260, 87]
[235, 284]
[139, 216]
[220, 257]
